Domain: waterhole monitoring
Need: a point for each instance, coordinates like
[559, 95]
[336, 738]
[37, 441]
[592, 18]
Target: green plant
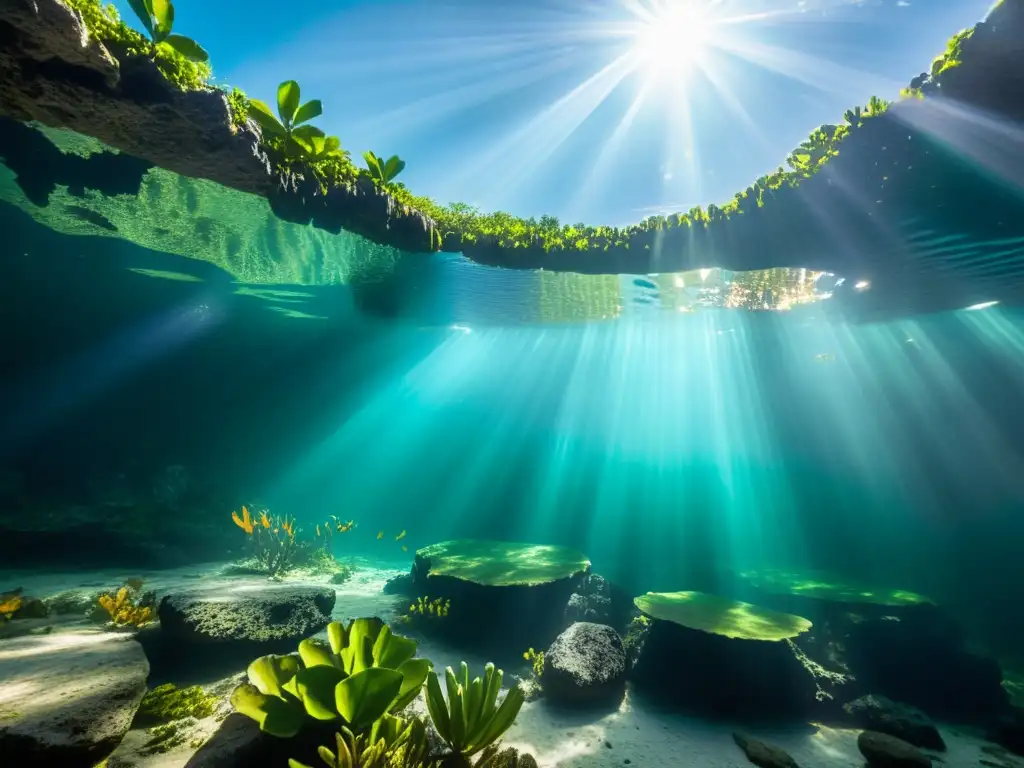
[157, 16]
[536, 659]
[364, 672]
[272, 538]
[390, 743]
[238, 107]
[471, 720]
[383, 171]
[289, 132]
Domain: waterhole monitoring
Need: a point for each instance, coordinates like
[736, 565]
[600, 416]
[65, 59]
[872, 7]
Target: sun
[673, 38]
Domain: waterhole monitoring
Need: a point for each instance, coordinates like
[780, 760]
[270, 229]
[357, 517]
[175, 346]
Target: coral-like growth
[129, 606]
[818, 673]
[272, 538]
[536, 659]
[10, 602]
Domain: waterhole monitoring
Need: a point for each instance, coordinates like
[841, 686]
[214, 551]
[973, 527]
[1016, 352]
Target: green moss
[823, 586]
[502, 563]
[238, 106]
[953, 55]
[105, 25]
[168, 703]
[721, 616]
[164, 738]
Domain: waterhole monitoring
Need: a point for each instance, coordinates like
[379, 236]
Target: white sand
[643, 734]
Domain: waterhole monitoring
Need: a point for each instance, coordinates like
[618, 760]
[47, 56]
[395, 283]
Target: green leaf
[275, 716]
[414, 672]
[315, 654]
[392, 651]
[264, 118]
[287, 102]
[458, 717]
[474, 704]
[293, 763]
[373, 164]
[305, 133]
[163, 15]
[270, 673]
[503, 718]
[187, 47]
[337, 637]
[142, 10]
[308, 111]
[367, 695]
[437, 708]
[332, 144]
[393, 167]
[362, 634]
[316, 690]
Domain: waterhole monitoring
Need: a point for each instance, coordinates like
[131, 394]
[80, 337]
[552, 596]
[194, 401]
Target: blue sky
[584, 109]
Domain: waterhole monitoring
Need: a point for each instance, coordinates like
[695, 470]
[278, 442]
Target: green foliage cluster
[361, 680]
[953, 55]
[105, 25]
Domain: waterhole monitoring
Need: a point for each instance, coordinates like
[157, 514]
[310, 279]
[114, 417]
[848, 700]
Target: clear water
[675, 439]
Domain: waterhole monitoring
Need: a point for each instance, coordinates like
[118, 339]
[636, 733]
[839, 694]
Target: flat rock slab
[68, 698]
[246, 613]
[764, 755]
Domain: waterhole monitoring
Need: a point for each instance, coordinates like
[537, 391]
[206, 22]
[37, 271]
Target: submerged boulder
[68, 698]
[261, 614]
[884, 751]
[713, 655]
[883, 715]
[764, 755]
[585, 665]
[505, 596]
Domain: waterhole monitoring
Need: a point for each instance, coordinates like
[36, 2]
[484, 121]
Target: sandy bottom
[638, 734]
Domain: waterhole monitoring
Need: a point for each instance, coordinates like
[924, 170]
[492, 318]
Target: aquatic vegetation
[157, 16]
[363, 673]
[167, 703]
[129, 606]
[390, 743]
[238, 106]
[536, 659]
[471, 720]
[272, 538]
[501, 563]
[721, 616]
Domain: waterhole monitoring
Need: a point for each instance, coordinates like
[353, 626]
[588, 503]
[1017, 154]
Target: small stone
[763, 755]
[585, 664]
[884, 751]
[607, 744]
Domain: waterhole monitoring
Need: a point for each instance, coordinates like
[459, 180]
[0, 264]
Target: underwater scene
[300, 466]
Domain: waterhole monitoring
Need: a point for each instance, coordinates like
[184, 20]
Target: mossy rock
[501, 563]
[167, 703]
[822, 586]
[721, 616]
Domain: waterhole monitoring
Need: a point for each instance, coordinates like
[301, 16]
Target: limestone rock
[900, 720]
[68, 698]
[884, 751]
[260, 614]
[585, 664]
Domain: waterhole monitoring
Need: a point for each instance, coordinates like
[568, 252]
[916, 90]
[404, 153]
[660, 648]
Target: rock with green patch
[500, 563]
[504, 595]
[721, 616]
[823, 586]
[724, 657]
